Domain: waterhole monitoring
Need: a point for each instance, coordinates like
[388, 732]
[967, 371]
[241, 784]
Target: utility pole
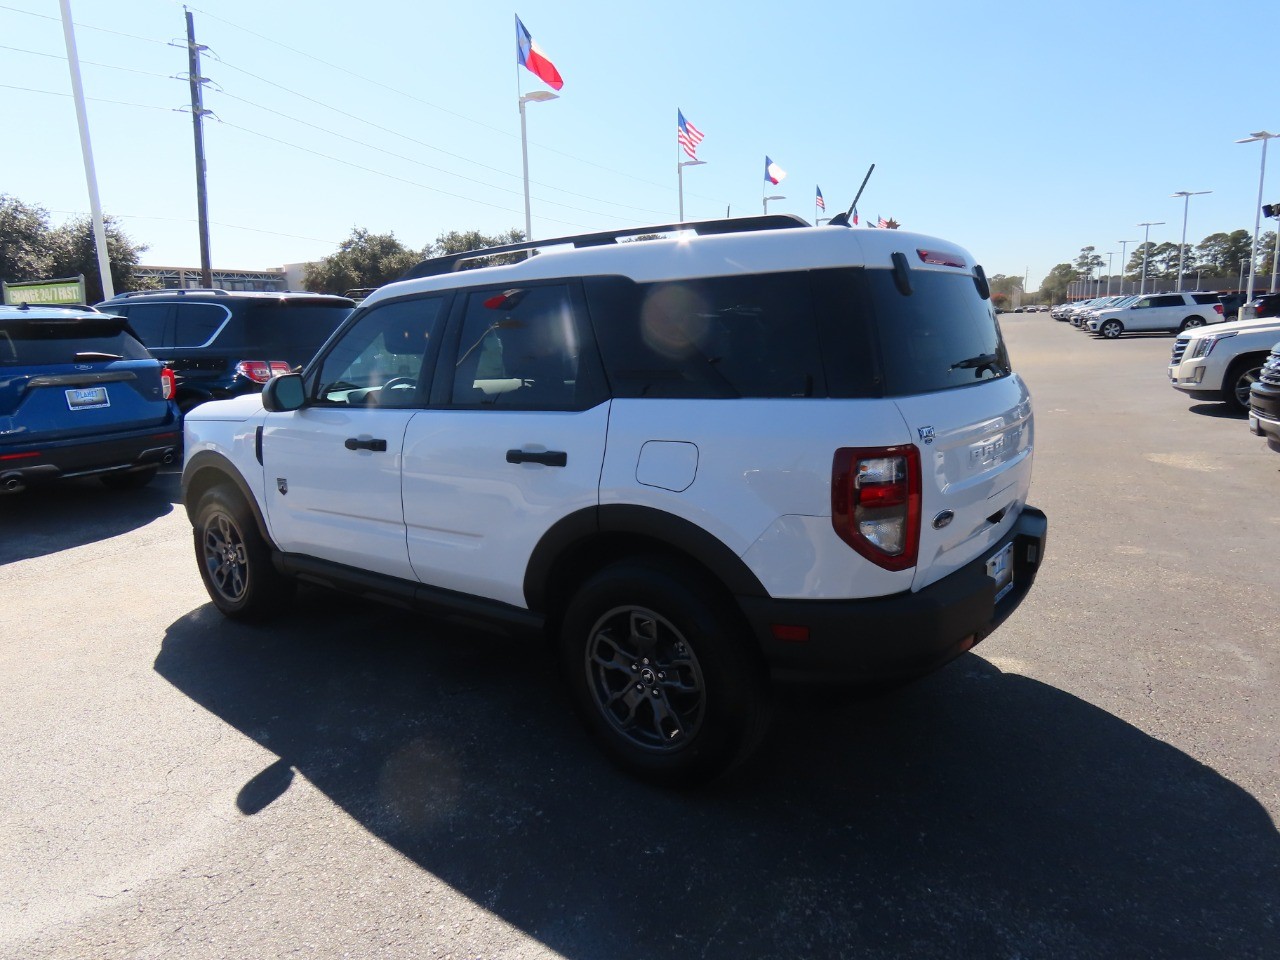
[197, 119]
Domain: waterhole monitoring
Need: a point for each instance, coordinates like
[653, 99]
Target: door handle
[549, 458]
[353, 443]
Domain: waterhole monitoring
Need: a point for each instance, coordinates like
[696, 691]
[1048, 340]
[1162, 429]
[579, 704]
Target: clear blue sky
[1022, 131]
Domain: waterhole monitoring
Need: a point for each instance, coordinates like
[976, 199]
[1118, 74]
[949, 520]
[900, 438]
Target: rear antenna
[842, 219]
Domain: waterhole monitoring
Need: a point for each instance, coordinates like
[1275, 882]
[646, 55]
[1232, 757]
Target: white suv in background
[1158, 311]
[754, 452]
[1225, 362]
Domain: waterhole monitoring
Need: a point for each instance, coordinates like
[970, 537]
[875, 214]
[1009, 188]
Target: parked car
[1159, 311]
[223, 343]
[1223, 362]
[1231, 304]
[80, 396]
[1082, 316]
[763, 452]
[1264, 305]
[1264, 401]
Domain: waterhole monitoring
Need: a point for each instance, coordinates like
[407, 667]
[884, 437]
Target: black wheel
[235, 563]
[1111, 329]
[663, 673]
[1241, 375]
[1191, 323]
[132, 480]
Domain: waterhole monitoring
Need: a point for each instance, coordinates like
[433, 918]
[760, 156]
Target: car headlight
[1205, 345]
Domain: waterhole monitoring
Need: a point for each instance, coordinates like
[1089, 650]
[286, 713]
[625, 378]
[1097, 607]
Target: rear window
[942, 336]
[293, 330]
[722, 337]
[1205, 297]
[93, 341]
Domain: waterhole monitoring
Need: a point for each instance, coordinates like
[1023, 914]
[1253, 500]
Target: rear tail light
[168, 383]
[1217, 308]
[260, 371]
[875, 503]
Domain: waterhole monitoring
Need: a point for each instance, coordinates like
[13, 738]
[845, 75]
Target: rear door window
[942, 336]
[198, 324]
[150, 321]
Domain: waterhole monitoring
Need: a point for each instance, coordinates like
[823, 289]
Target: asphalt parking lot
[1098, 779]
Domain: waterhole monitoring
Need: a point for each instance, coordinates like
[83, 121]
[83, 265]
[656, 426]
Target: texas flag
[772, 172]
[530, 56]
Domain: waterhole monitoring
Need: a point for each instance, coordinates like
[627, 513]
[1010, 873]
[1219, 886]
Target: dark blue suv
[81, 396]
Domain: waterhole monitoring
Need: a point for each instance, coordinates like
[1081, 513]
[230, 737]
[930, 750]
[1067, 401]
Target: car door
[514, 443]
[332, 468]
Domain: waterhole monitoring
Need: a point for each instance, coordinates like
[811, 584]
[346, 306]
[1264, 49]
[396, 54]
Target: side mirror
[284, 393]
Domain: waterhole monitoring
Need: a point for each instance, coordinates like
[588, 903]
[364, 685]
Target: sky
[1023, 132]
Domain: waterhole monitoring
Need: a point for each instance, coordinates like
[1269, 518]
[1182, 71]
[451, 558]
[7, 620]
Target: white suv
[1223, 363]
[757, 451]
[1158, 311]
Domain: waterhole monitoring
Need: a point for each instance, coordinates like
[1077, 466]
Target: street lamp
[537, 96]
[1123, 262]
[1146, 243]
[680, 180]
[1110, 254]
[1186, 196]
[766, 202]
[1257, 208]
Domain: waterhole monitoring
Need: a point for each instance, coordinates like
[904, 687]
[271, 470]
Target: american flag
[882, 222]
[821, 204]
[688, 136]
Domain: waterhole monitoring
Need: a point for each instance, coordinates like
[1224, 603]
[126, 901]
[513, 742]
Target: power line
[216, 223]
[92, 63]
[59, 93]
[83, 26]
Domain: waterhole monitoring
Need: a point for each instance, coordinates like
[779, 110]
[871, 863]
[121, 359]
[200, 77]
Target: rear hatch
[945, 366]
[63, 379]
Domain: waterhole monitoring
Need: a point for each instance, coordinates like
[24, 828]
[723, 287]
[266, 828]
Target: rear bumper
[23, 466]
[898, 638]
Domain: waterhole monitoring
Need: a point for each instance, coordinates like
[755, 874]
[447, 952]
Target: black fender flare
[198, 468]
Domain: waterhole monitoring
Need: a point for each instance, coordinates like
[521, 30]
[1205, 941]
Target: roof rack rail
[452, 262]
[170, 291]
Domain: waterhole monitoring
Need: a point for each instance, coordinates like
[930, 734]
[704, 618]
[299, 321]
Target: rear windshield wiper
[97, 355]
[980, 362]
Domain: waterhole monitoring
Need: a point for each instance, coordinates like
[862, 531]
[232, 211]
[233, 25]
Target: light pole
[1257, 208]
[1240, 282]
[1123, 267]
[680, 179]
[1110, 254]
[1146, 243]
[1186, 196]
[538, 96]
[766, 202]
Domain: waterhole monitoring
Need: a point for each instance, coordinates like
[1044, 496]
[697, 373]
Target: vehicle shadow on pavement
[1219, 411]
[72, 513]
[975, 814]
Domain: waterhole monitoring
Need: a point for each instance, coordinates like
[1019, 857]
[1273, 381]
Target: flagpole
[679, 173]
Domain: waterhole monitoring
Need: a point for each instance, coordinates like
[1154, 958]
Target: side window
[1168, 300]
[379, 361]
[520, 347]
[1144, 302]
[148, 322]
[196, 324]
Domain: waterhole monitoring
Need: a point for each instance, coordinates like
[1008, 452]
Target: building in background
[187, 278]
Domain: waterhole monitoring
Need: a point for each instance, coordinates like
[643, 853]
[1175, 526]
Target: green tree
[75, 251]
[364, 259]
[26, 242]
[464, 241]
[1267, 253]
[1221, 253]
[1053, 289]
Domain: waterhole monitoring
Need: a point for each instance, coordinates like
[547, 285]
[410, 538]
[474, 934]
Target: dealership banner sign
[46, 293]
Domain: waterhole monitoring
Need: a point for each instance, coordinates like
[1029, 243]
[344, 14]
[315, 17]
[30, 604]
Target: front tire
[663, 673]
[235, 563]
[1241, 376]
[1111, 329]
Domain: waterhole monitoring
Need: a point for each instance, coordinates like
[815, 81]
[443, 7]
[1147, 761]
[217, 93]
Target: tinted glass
[520, 347]
[36, 344]
[195, 324]
[147, 320]
[723, 337]
[943, 335]
[379, 361]
[1168, 300]
[1205, 297]
[288, 330]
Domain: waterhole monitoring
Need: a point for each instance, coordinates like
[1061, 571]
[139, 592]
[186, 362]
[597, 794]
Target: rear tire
[1191, 323]
[132, 480]
[234, 560]
[1111, 329]
[663, 672]
[1241, 375]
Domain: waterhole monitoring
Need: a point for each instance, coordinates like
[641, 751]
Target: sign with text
[46, 293]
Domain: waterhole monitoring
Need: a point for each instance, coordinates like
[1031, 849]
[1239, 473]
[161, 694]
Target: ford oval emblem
[943, 519]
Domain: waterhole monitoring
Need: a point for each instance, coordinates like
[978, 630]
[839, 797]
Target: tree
[1221, 253]
[364, 259]
[26, 244]
[75, 251]
[1053, 289]
[1003, 288]
[1267, 253]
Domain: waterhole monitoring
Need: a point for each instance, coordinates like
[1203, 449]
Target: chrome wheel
[225, 559]
[645, 679]
[1112, 329]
